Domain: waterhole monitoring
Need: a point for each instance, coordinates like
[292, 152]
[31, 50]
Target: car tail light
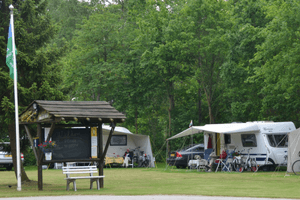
[22, 155]
[178, 154]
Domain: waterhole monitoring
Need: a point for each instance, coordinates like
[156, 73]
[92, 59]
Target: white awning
[219, 128]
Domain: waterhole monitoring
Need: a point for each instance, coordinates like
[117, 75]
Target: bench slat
[91, 172]
[85, 177]
[70, 170]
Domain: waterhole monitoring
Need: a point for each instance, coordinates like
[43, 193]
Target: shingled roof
[82, 111]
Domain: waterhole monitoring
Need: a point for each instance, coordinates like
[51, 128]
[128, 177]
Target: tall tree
[38, 73]
[242, 96]
[279, 59]
[205, 22]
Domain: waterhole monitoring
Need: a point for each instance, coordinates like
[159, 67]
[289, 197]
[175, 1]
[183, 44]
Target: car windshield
[278, 140]
[194, 147]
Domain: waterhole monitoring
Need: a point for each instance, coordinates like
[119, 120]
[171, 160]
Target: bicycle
[296, 166]
[237, 163]
[250, 163]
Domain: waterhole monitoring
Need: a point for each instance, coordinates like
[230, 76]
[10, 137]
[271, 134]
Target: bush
[29, 158]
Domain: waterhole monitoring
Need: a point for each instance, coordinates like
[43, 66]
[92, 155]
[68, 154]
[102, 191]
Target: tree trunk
[136, 119]
[12, 137]
[199, 105]
[171, 106]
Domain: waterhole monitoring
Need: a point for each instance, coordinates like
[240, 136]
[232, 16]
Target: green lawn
[155, 181]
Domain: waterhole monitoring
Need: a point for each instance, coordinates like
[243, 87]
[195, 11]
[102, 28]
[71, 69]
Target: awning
[219, 128]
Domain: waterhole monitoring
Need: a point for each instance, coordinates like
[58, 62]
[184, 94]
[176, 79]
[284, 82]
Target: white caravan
[266, 141]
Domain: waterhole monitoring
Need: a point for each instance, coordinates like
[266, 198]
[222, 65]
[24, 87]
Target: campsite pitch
[160, 181]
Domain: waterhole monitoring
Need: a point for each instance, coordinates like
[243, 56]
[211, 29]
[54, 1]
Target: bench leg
[68, 184]
[74, 185]
[97, 182]
[91, 183]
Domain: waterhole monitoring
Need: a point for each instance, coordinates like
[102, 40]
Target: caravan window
[118, 140]
[278, 140]
[249, 140]
[227, 138]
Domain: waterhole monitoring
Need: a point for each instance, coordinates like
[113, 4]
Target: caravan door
[277, 143]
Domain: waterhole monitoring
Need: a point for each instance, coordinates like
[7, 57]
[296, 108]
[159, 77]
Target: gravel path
[154, 197]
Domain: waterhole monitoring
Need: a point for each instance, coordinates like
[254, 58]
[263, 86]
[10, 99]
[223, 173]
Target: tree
[38, 73]
[205, 22]
[278, 56]
[246, 18]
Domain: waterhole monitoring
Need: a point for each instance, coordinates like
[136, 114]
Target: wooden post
[107, 142]
[100, 152]
[31, 143]
[40, 155]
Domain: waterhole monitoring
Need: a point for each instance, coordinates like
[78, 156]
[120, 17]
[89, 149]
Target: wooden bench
[68, 170]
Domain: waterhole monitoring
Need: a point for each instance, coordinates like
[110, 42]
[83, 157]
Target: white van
[266, 141]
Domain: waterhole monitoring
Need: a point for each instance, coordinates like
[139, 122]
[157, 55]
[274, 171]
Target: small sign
[94, 142]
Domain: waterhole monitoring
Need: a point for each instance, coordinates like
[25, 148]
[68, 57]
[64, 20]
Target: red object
[223, 155]
[209, 144]
[178, 154]
[22, 155]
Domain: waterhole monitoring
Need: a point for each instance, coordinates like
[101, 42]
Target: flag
[9, 53]
[191, 124]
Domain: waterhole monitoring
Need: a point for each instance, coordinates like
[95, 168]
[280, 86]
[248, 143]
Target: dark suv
[181, 158]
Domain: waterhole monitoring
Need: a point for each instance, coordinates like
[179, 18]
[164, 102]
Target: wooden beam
[107, 142]
[100, 152]
[51, 131]
[31, 143]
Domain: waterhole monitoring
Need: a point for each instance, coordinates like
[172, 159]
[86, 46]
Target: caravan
[267, 142]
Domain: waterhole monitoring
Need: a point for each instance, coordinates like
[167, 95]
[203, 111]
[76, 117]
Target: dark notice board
[71, 144]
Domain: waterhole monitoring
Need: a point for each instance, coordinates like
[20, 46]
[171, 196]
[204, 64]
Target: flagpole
[16, 101]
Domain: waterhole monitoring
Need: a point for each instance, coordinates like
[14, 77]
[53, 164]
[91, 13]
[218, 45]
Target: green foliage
[162, 63]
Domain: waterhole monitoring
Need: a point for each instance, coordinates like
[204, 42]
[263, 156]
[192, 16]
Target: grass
[161, 180]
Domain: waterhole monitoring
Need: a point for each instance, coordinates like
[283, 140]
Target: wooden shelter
[55, 114]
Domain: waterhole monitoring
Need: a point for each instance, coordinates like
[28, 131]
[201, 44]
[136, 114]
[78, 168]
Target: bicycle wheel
[234, 165]
[296, 167]
[238, 167]
[254, 166]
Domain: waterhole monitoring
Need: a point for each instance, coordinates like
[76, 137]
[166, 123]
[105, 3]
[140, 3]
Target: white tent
[133, 141]
[293, 149]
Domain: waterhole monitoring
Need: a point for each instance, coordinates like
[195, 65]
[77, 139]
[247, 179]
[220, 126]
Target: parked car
[181, 158]
[6, 160]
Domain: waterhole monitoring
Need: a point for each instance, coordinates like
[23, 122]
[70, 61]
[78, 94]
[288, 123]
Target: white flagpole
[16, 100]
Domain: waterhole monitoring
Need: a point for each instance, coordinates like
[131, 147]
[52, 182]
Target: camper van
[265, 141]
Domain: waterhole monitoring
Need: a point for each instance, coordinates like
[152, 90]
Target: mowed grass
[161, 180]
